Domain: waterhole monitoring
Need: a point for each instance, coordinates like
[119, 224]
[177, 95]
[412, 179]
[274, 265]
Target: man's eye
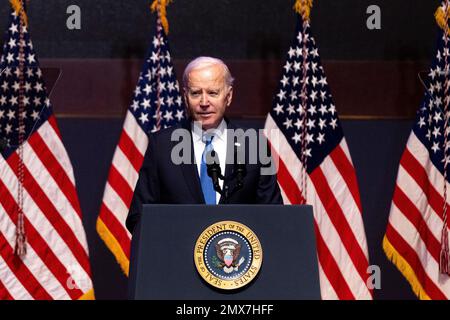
[213, 93]
[195, 94]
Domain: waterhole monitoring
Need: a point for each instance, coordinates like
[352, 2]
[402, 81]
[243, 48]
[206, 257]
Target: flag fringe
[441, 18]
[88, 295]
[303, 8]
[405, 269]
[162, 4]
[17, 7]
[113, 245]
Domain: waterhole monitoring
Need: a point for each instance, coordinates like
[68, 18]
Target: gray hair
[205, 61]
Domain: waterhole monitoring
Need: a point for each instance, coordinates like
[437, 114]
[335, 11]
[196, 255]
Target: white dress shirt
[219, 143]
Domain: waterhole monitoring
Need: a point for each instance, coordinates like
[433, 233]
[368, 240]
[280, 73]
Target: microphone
[213, 170]
[240, 170]
[240, 174]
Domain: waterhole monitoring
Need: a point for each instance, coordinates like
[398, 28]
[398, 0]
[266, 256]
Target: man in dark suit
[179, 172]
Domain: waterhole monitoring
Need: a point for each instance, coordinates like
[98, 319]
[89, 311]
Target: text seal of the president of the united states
[228, 255]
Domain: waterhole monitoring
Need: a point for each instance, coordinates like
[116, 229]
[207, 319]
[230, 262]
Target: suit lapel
[192, 180]
[229, 162]
[190, 171]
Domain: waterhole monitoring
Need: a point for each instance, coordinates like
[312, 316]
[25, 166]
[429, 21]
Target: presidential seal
[228, 255]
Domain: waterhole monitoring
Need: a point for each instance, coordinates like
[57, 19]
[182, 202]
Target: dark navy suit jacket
[162, 181]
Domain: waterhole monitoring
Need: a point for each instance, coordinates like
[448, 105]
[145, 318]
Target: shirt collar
[197, 131]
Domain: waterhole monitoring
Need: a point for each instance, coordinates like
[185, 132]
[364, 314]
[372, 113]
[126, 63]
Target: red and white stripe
[415, 221]
[122, 179]
[332, 190]
[56, 265]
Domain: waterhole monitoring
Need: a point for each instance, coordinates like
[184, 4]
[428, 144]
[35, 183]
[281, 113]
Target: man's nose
[204, 99]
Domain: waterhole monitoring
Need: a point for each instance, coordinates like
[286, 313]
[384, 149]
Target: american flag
[157, 104]
[330, 183]
[56, 264]
[413, 234]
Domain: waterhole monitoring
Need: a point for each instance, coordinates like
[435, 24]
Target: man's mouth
[205, 114]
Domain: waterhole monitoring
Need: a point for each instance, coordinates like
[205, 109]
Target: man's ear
[229, 96]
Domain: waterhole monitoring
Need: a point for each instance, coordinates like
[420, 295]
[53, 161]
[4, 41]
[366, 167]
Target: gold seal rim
[201, 265]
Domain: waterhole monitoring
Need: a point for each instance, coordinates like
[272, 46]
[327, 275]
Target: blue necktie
[207, 185]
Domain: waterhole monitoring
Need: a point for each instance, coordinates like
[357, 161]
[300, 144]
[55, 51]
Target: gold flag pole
[442, 15]
[18, 8]
[162, 23]
[160, 6]
[303, 8]
[21, 241]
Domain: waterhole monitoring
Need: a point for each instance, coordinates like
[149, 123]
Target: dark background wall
[379, 67]
[232, 29]
[373, 76]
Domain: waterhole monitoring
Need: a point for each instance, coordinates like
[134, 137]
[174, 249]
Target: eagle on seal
[228, 251]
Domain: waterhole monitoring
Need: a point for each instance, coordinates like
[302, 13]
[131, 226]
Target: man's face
[207, 95]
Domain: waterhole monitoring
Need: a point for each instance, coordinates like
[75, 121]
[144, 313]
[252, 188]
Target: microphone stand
[213, 170]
